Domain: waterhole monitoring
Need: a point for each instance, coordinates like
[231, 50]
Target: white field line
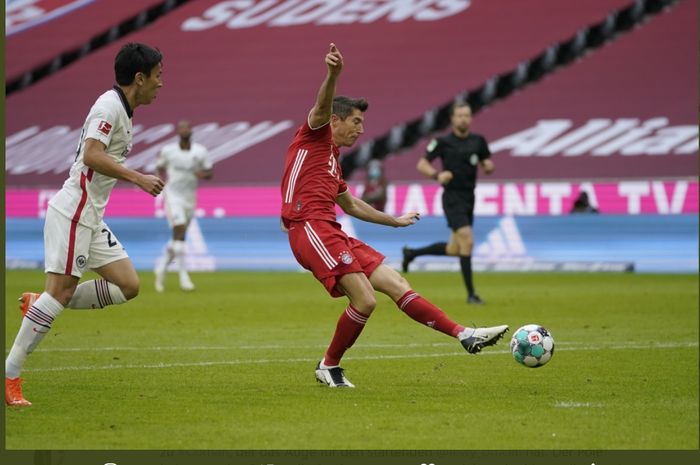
[562, 404]
[265, 361]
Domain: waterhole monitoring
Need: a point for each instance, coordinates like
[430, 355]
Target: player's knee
[465, 243]
[466, 248]
[130, 288]
[366, 304]
[402, 285]
[396, 287]
[452, 249]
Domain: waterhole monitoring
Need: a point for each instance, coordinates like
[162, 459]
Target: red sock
[348, 329]
[425, 312]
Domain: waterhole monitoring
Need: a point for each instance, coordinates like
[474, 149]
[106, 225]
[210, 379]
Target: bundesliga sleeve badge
[104, 127]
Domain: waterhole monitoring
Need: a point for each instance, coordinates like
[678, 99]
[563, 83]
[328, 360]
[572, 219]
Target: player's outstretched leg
[408, 257]
[438, 248]
[424, 311]
[391, 283]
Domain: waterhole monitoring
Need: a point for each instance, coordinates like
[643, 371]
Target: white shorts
[71, 248]
[178, 212]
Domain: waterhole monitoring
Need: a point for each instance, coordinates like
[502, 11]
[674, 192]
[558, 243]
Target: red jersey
[312, 176]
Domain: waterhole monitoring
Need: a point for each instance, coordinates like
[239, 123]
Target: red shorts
[324, 249]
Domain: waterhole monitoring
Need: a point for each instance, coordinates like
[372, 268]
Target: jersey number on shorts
[109, 238]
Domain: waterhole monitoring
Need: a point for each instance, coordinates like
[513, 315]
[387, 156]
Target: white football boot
[332, 377]
[476, 339]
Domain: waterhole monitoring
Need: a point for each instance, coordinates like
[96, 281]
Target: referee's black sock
[465, 263]
[438, 248]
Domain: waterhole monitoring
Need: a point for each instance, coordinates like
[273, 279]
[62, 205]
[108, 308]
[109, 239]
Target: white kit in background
[180, 200]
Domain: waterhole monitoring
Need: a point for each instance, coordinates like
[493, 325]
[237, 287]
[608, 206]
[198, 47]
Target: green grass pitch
[231, 366]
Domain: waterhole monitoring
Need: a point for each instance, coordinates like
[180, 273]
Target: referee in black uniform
[461, 153]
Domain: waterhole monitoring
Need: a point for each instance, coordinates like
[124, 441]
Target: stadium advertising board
[579, 243]
[512, 198]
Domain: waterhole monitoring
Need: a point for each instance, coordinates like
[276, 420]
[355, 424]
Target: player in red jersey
[311, 187]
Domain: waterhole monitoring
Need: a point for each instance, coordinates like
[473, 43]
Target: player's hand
[407, 219]
[150, 183]
[444, 177]
[334, 60]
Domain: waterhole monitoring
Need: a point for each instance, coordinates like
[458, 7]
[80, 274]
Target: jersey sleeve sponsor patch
[104, 127]
[99, 129]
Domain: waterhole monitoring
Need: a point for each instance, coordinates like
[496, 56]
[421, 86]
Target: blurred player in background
[461, 153]
[312, 184]
[75, 236]
[184, 163]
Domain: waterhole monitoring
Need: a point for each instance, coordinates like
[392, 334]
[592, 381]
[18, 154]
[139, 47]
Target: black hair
[135, 58]
[342, 106]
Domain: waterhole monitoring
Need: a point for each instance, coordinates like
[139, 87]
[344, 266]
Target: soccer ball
[532, 346]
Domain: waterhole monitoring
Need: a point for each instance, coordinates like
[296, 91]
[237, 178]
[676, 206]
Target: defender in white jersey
[184, 163]
[75, 235]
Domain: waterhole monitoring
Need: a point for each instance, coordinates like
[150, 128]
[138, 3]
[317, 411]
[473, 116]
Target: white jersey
[85, 193]
[181, 166]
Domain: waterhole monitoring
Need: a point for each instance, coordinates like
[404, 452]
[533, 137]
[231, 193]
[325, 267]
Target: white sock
[323, 365]
[465, 333]
[169, 255]
[96, 294]
[35, 324]
[179, 252]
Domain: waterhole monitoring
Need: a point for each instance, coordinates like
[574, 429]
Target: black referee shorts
[459, 208]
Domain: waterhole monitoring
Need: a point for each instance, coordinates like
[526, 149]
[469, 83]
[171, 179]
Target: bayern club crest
[346, 258]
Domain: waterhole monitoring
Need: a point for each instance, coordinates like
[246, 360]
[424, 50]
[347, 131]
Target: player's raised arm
[321, 112]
